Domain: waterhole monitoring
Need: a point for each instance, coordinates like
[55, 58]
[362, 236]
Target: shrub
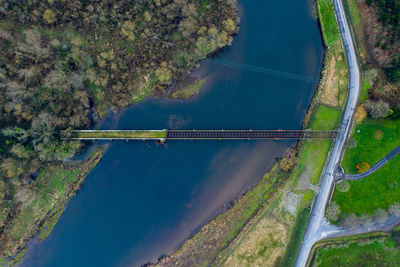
[395, 114]
[352, 143]
[380, 215]
[366, 220]
[395, 209]
[362, 167]
[377, 109]
[333, 211]
[163, 75]
[49, 16]
[350, 221]
[343, 186]
[289, 160]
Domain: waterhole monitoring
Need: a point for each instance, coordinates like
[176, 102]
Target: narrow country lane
[315, 231]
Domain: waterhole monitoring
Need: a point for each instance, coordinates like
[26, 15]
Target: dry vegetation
[333, 79]
[260, 244]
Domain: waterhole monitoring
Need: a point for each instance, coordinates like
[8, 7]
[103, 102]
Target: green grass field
[314, 152]
[371, 144]
[328, 21]
[378, 190]
[370, 252]
[382, 188]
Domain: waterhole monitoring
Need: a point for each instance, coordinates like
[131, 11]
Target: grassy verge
[372, 249]
[314, 153]
[121, 134]
[296, 237]
[330, 29]
[365, 87]
[354, 17]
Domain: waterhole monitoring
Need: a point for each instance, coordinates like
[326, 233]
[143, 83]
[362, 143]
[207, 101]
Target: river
[144, 199]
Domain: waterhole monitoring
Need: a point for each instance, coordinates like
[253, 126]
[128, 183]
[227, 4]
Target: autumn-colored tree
[360, 114]
[362, 167]
[49, 16]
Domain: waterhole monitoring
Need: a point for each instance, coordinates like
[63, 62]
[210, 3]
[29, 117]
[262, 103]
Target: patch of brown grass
[360, 114]
[329, 93]
[261, 247]
[378, 135]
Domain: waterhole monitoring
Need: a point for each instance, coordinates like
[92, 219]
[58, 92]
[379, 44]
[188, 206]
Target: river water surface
[144, 199]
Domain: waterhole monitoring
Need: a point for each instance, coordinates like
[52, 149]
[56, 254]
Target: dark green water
[144, 199]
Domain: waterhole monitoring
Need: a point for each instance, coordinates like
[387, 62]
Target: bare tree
[366, 220]
[333, 211]
[377, 109]
[350, 221]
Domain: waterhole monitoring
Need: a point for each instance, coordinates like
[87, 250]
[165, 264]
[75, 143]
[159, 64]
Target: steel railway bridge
[248, 134]
[163, 135]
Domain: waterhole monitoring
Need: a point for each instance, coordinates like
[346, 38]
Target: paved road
[373, 169]
[315, 228]
[373, 226]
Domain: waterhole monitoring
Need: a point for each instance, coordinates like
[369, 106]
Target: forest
[389, 15]
[65, 63]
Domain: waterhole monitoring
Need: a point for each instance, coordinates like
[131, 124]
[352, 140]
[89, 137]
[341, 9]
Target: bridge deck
[200, 134]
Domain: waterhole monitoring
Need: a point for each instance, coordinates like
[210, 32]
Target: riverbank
[229, 241]
[43, 203]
